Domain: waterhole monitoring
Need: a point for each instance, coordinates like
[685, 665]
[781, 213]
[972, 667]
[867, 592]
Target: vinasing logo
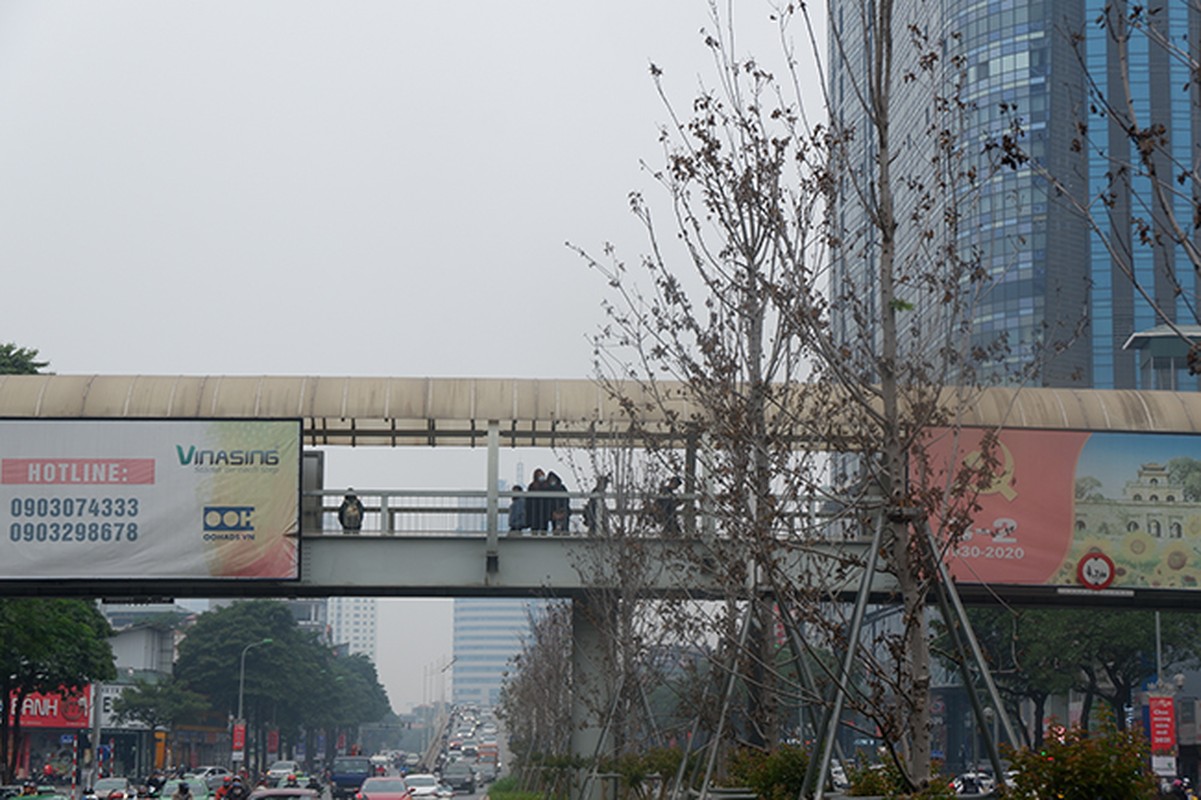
[194, 457]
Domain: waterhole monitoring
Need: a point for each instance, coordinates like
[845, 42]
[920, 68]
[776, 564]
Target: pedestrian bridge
[456, 543]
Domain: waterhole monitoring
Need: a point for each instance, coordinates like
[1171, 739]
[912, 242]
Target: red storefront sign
[63, 709]
[1163, 724]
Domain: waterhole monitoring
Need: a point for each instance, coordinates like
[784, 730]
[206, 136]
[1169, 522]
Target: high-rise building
[488, 632]
[1052, 279]
[353, 624]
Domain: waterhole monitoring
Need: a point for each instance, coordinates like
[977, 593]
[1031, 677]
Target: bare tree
[1132, 177]
[800, 329]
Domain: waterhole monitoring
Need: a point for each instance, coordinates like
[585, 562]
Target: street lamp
[242, 673]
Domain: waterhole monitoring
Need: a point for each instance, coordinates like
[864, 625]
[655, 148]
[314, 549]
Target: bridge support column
[593, 690]
[492, 558]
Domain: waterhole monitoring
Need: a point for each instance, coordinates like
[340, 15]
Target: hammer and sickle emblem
[1002, 482]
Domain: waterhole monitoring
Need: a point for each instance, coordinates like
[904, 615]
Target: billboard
[1091, 510]
[149, 499]
[63, 709]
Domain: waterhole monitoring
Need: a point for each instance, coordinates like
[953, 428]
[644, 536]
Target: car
[459, 776]
[381, 788]
[278, 793]
[117, 788]
[198, 789]
[487, 771]
[422, 784]
[974, 783]
[282, 769]
[213, 776]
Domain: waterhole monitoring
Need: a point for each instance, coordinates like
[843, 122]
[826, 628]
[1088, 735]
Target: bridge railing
[443, 512]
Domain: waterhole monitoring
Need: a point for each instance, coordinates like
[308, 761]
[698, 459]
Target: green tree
[1115, 652]
[1028, 653]
[163, 703]
[281, 677]
[20, 360]
[47, 645]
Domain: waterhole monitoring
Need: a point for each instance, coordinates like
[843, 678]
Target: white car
[282, 769]
[211, 777]
[422, 784]
[974, 783]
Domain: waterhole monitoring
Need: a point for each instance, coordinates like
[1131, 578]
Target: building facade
[1056, 283]
[353, 624]
[488, 633]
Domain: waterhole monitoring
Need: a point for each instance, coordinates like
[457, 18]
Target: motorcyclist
[29, 788]
[291, 782]
[154, 783]
[184, 792]
[237, 790]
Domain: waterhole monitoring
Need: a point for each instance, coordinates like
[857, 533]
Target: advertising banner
[1163, 724]
[150, 499]
[62, 709]
[1080, 509]
[239, 742]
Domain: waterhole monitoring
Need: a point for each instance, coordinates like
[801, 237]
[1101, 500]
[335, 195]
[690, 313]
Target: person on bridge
[517, 512]
[560, 507]
[537, 509]
[350, 513]
[596, 512]
[667, 506]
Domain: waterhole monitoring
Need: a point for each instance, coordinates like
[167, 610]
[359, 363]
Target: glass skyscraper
[1050, 278]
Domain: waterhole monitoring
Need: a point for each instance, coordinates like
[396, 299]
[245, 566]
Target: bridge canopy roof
[397, 411]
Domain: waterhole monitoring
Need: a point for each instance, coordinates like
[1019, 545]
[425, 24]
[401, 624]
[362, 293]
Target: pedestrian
[667, 506]
[560, 507]
[596, 512]
[517, 512]
[350, 513]
[537, 509]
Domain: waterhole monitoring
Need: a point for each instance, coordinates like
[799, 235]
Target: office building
[488, 633]
[1051, 279]
[353, 624]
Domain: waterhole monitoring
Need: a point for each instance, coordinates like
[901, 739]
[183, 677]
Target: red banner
[1163, 724]
[65, 709]
[239, 740]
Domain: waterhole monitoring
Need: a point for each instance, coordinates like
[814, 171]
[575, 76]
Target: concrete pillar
[592, 690]
[492, 557]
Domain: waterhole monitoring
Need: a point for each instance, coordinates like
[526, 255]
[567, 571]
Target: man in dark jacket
[350, 513]
[537, 509]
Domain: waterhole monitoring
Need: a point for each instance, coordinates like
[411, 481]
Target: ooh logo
[228, 518]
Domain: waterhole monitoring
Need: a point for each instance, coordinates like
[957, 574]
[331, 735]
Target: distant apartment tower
[488, 633]
[352, 622]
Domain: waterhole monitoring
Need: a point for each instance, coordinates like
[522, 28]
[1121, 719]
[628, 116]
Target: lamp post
[242, 673]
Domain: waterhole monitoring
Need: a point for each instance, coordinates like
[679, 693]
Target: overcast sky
[331, 188]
